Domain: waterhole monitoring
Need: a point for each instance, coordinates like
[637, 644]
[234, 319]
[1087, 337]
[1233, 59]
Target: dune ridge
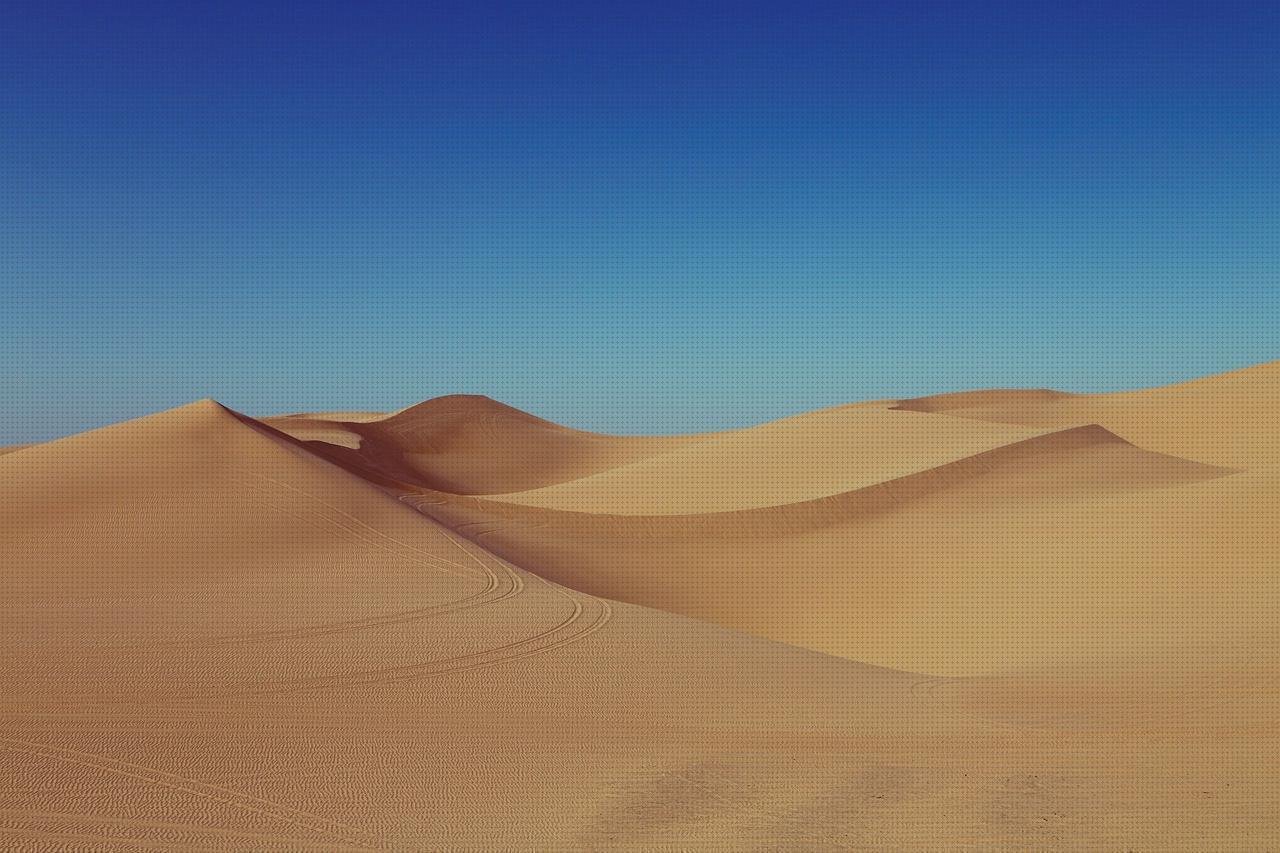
[1084, 460]
[977, 399]
[819, 454]
[1218, 420]
[873, 557]
[470, 444]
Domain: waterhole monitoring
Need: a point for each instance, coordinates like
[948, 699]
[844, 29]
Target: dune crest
[795, 459]
[974, 399]
[1219, 420]
[470, 444]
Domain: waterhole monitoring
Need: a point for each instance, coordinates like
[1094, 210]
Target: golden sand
[988, 620]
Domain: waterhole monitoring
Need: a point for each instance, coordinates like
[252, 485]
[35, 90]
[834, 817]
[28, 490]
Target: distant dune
[1221, 420]
[797, 459]
[996, 619]
[473, 445]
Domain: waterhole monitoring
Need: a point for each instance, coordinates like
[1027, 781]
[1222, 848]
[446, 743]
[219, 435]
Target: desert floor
[985, 620]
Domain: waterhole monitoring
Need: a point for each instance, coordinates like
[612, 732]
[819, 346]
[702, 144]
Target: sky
[647, 218]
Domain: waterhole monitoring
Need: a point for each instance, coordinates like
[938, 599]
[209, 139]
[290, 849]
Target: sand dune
[992, 398]
[993, 620]
[796, 459]
[1221, 420]
[474, 445]
[888, 573]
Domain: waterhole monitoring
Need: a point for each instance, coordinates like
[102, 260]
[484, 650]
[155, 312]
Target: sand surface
[988, 620]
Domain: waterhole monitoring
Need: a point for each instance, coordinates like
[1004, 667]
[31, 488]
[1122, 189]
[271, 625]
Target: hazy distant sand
[462, 626]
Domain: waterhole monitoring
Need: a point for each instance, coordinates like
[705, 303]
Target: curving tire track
[360, 531]
[587, 615]
[505, 653]
[555, 637]
[498, 588]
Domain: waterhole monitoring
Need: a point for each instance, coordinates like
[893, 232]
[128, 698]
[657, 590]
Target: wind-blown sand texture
[986, 620]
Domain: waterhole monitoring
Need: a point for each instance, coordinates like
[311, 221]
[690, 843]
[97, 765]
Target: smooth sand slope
[1222, 420]
[796, 459]
[446, 628]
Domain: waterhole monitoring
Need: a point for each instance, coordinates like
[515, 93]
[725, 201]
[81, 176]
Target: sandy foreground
[987, 620]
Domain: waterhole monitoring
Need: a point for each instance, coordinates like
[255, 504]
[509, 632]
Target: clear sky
[630, 218]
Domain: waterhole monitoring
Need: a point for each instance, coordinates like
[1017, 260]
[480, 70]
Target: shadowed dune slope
[314, 428]
[468, 444]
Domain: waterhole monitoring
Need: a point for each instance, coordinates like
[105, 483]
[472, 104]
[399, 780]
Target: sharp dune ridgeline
[1001, 619]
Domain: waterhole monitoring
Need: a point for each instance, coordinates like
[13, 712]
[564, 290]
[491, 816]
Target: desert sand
[987, 620]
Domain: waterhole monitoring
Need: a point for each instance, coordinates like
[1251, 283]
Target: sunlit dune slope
[1228, 419]
[795, 459]
[474, 445]
[235, 518]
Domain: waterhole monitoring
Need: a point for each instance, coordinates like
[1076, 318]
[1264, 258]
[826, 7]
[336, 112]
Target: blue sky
[648, 218]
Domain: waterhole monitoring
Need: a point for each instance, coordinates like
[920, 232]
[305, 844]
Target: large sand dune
[989, 620]
[978, 565]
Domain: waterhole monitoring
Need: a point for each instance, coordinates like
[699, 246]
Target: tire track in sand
[552, 638]
[85, 821]
[497, 589]
[330, 829]
[361, 531]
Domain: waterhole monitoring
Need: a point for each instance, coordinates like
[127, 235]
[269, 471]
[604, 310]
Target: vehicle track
[507, 652]
[36, 833]
[598, 612]
[494, 582]
[362, 532]
[332, 830]
[499, 588]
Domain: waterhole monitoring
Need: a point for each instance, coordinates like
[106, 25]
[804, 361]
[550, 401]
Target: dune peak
[982, 397]
[461, 402]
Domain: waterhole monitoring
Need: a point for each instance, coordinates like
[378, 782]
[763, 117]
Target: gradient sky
[645, 218]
